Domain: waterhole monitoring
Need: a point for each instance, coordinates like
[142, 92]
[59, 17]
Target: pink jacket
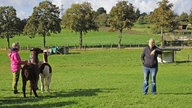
[15, 61]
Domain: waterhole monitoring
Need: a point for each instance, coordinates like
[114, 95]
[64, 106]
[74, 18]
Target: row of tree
[82, 18]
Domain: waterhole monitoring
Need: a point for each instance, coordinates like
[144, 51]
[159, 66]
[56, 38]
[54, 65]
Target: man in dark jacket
[150, 65]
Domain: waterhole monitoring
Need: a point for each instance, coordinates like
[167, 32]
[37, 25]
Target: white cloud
[107, 4]
[25, 7]
[145, 5]
[182, 6]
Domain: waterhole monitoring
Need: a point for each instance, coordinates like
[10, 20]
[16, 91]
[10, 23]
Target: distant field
[103, 78]
[137, 35]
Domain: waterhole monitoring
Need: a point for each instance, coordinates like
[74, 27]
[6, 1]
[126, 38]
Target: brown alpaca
[30, 72]
[45, 73]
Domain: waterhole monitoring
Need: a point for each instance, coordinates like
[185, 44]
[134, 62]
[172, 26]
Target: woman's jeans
[152, 72]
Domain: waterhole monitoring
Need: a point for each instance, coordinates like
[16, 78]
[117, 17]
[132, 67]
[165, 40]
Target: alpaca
[45, 73]
[30, 71]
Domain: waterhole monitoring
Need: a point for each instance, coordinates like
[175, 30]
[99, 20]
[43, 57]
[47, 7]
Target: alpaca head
[34, 53]
[36, 50]
[46, 53]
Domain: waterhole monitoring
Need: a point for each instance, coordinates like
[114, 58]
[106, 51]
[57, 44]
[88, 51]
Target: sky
[24, 8]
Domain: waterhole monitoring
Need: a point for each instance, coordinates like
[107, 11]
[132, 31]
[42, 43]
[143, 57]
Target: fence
[85, 46]
[178, 43]
[166, 44]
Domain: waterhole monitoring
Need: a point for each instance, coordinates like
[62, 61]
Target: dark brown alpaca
[30, 72]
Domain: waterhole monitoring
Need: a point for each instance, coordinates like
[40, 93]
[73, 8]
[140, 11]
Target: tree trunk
[162, 44]
[81, 40]
[8, 42]
[120, 38]
[44, 40]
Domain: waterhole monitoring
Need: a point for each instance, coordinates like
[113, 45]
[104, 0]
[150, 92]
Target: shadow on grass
[185, 61]
[176, 93]
[19, 102]
[45, 105]
[79, 92]
[33, 102]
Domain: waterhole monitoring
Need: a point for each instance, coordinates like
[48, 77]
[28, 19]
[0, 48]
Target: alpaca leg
[48, 82]
[35, 93]
[34, 89]
[37, 79]
[42, 82]
[24, 88]
[31, 87]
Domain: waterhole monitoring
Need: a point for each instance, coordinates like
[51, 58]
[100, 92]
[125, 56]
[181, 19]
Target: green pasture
[102, 78]
[139, 34]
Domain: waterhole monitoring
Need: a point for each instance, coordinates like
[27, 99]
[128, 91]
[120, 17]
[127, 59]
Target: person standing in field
[150, 66]
[16, 63]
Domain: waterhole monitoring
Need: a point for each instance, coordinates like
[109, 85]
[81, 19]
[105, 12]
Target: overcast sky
[25, 7]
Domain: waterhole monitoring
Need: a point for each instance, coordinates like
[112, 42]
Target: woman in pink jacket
[16, 63]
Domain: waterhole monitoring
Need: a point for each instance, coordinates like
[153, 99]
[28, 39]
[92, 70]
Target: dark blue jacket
[150, 60]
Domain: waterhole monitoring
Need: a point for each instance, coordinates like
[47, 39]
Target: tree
[121, 16]
[143, 14]
[101, 10]
[8, 23]
[101, 19]
[190, 17]
[80, 18]
[44, 21]
[163, 17]
[22, 24]
[183, 18]
[137, 13]
[141, 20]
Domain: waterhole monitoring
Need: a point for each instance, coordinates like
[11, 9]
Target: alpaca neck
[35, 59]
[45, 57]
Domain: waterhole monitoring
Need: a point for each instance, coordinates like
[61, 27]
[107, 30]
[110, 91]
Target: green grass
[103, 78]
[138, 35]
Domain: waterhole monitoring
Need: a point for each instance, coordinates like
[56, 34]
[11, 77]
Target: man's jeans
[152, 72]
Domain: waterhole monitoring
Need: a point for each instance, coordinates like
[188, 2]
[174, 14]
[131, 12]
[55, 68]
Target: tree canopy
[163, 17]
[190, 17]
[101, 10]
[80, 18]
[122, 16]
[101, 19]
[44, 21]
[183, 18]
[9, 23]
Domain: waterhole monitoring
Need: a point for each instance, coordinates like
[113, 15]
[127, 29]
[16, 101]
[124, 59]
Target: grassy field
[138, 35]
[103, 78]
